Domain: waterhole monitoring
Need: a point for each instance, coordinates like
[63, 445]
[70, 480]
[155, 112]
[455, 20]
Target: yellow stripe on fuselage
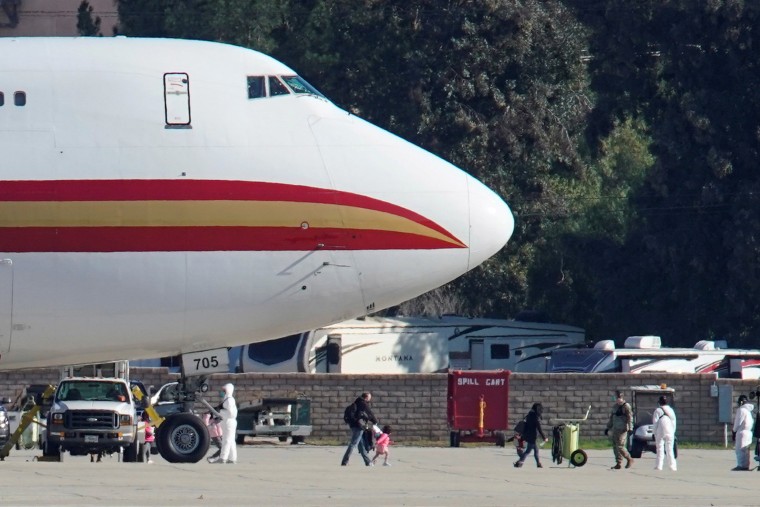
[206, 213]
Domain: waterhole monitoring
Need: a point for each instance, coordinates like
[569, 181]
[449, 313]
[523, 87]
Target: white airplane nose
[491, 223]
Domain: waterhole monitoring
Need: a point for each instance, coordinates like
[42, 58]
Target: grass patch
[584, 443]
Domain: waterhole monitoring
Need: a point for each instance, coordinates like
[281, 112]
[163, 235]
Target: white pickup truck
[94, 415]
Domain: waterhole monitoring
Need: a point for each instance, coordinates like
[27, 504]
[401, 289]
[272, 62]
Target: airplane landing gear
[181, 436]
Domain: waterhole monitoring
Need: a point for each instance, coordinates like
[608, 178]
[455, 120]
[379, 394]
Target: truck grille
[95, 419]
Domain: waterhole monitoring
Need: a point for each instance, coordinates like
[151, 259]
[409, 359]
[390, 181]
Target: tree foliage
[86, 25]
[624, 135]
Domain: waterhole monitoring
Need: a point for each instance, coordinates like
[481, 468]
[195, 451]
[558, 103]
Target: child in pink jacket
[215, 433]
[381, 445]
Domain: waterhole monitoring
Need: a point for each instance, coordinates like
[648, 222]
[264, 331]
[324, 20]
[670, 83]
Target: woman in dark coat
[530, 434]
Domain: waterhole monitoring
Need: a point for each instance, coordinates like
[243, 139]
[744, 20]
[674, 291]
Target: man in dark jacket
[361, 415]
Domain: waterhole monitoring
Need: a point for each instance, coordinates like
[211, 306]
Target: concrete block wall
[415, 404]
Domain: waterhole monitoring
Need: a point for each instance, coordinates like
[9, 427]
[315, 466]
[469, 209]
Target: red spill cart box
[478, 406]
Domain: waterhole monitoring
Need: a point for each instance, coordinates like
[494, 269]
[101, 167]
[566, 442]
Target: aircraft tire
[183, 438]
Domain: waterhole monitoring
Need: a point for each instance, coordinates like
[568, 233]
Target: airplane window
[299, 85]
[274, 351]
[256, 87]
[19, 98]
[276, 87]
[2, 99]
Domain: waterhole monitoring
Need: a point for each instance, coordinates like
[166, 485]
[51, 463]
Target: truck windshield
[91, 390]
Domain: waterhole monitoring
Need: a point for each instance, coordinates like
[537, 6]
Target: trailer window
[500, 351]
[274, 351]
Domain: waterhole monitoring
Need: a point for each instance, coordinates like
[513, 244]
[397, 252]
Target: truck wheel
[282, 439]
[49, 449]
[183, 439]
[131, 452]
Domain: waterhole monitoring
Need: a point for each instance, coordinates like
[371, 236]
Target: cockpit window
[276, 87]
[256, 88]
[299, 85]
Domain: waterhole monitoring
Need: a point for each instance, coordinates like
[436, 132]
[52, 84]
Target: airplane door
[6, 304]
[477, 351]
[177, 99]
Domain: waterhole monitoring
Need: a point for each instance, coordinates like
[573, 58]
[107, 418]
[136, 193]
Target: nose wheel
[183, 438]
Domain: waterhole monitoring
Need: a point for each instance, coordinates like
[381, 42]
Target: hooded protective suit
[664, 421]
[229, 425]
[743, 428]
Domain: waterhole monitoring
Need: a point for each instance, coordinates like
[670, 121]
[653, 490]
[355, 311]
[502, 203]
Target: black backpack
[349, 415]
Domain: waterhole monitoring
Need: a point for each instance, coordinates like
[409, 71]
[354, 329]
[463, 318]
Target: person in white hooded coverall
[743, 433]
[228, 410]
[664, 422]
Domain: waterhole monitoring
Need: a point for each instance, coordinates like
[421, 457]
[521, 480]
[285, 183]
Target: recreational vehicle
[646, 354]
[413, 345]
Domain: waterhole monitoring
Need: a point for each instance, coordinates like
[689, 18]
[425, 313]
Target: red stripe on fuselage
[199, 239]
[195, 190]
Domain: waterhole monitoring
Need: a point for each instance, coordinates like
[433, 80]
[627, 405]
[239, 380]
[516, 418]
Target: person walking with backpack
[530, 433]
[358, 416]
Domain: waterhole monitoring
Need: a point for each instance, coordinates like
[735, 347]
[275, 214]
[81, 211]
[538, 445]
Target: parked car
[5, 423]
[643, 404]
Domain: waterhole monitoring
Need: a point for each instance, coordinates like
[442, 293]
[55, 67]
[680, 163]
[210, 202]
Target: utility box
[725, 404]
[275, 417]
[478, 406]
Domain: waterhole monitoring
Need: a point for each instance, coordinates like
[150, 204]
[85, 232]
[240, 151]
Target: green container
[570, 434]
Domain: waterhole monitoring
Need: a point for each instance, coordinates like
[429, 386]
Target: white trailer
[413, 345]
[646, 354]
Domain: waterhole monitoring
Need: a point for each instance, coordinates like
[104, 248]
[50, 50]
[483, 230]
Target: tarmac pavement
[305, 475]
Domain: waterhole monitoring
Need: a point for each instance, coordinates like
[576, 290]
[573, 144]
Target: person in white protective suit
[743, 433]
[228, 410]
[664, 429]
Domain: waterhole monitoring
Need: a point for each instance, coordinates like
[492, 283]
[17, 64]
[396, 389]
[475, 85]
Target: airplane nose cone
[491, 223]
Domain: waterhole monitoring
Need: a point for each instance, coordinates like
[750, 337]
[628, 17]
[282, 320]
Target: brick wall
[415, 404]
